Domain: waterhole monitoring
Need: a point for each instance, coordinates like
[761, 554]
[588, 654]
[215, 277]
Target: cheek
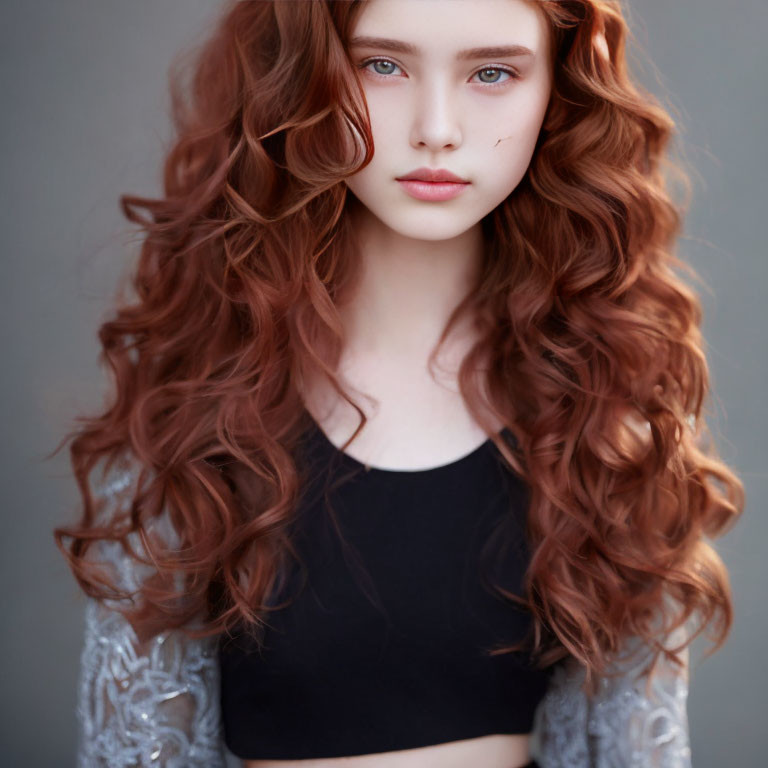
[515, 137]
[367, 184]
[512, 137]
[385, 122]
[524, 115]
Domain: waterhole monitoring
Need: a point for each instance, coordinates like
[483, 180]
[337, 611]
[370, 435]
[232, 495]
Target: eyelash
[513, 74]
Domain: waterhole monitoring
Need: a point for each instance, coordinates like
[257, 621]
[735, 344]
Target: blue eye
[512, 74]
[382, 61]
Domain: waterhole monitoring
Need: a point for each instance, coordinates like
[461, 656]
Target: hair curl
[593, 343]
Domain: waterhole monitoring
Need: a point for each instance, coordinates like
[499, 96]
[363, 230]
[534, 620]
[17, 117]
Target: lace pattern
[156, 704]
[621, 726]
[152, 704]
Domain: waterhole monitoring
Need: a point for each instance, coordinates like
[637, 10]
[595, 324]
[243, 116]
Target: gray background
[84, 105]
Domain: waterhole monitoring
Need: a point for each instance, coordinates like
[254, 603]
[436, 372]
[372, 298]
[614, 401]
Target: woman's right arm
[153, 703]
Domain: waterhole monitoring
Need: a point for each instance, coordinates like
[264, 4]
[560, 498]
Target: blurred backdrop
[84, 108]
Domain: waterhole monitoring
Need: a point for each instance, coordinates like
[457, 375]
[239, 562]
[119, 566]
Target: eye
[513, 75]
[389, 65]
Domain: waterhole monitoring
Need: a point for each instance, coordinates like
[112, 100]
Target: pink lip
[433, 191]
[432, 174]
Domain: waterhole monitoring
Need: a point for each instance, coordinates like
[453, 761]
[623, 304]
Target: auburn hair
[590, 342]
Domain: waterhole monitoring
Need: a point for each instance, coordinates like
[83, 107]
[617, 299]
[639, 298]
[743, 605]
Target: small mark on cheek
[500, 140]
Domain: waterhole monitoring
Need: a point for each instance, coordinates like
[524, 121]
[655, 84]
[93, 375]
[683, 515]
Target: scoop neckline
[373, 469]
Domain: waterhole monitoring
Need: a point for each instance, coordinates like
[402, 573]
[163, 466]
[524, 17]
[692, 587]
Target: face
[434, 104]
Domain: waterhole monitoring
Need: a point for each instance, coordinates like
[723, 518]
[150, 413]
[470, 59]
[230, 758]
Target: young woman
[406, 461]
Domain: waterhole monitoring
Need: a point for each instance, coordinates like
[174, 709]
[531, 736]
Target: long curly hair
[590, 344]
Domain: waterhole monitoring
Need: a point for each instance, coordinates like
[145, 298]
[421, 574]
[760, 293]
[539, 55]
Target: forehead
[450, 28]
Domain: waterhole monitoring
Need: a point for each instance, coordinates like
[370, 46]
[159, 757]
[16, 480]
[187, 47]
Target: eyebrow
[468, 54]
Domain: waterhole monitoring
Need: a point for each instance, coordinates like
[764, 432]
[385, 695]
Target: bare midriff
[493, 751]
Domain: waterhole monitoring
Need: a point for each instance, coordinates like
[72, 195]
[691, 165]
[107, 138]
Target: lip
[432, 190]
[434, 184]
[432, 175]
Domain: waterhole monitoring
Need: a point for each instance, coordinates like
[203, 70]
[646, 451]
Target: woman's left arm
[624, 725]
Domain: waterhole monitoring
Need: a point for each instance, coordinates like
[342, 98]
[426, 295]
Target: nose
[436, 121]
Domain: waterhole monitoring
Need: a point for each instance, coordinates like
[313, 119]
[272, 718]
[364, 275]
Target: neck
[407, 289]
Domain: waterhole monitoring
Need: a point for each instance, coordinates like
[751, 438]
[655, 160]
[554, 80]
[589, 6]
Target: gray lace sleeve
[143, 704]
[621, 726]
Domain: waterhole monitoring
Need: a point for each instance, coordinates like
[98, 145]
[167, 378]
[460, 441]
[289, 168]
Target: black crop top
[385, 646]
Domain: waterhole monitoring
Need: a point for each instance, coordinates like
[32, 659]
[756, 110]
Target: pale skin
[429, 108]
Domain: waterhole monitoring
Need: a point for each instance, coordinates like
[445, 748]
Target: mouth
[433, 175]
[434, 191]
